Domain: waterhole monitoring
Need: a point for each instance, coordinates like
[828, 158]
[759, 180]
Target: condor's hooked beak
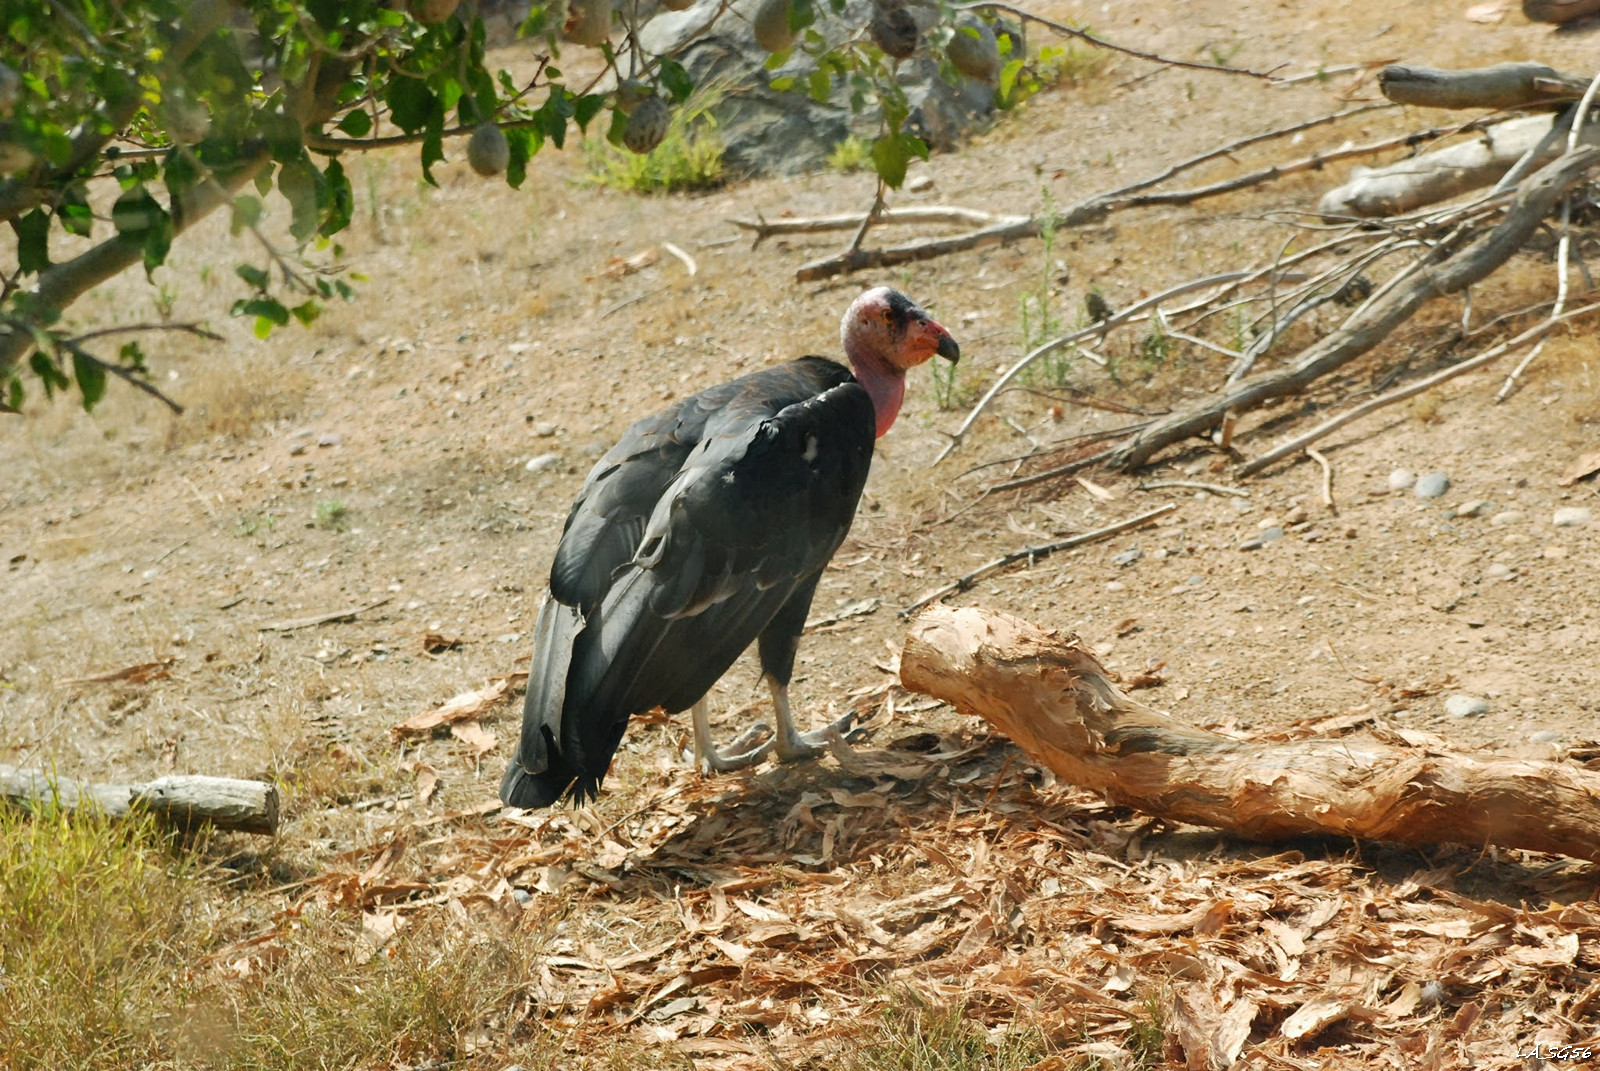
[949, 349]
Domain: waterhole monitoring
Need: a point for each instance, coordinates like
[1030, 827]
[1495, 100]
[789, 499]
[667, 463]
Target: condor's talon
[739, 754]
[791, 744]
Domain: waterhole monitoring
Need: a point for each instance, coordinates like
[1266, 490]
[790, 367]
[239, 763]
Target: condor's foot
[792, 745]
[744, 751]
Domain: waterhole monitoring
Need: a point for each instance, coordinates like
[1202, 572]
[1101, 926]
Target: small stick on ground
[1040, 551]
[1214, 488]
[1327, 478]
[320, 619]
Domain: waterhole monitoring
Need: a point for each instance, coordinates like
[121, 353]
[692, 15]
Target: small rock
[1268, 536]
[544, 429]
[919, 183]
[1555, 551]
[1433, 485]
[1195, 579]
[1127, 557]
[1402, 480]
[1514, 539]
[1466, 706]
[521, 896]
[1499, 571]
[1116, 585]
[542, 462]
[1295, 515]
[331, 438]
[297, 449]
[1573, 517]
[1544, 736]
[1269, 521]
[1506, 517]
[1477, 507]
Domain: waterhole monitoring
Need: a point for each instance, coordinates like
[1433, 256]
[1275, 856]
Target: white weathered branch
[1437, 176]
[183, 801]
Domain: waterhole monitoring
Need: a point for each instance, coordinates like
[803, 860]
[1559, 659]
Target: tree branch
[20, 195]
[62, 284]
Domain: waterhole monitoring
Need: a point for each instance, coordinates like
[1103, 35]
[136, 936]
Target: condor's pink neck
[885, 386]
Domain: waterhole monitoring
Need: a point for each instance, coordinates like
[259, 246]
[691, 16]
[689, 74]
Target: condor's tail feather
[542, 771]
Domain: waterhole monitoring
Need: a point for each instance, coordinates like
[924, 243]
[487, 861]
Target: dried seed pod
[488, 151]
[973, 50]
[588, 22]
[647, 125]
[631, 93]
[894, 30]
[771, 26]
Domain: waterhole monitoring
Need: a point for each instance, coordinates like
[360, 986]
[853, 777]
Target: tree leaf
[73, 210]
[306, 312]
[891, 153]
[356, 123]
[91, 376]
[247, 212]
[411, 103]
[522, 146]
[335, 199]
[299, 182]
[33, 241]
[675, 80]
[256, 277]
[586, 108]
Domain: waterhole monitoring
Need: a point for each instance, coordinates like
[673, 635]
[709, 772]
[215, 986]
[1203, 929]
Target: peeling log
[1049, 693]
[1447, 271]
[1505, 85]
[182, 801]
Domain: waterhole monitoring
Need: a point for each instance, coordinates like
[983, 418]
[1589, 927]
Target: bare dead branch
[1130, 314]
[127, 375]
[1446, 271]
[1488, 356]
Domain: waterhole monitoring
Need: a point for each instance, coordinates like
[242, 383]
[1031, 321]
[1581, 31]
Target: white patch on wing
[811, 450]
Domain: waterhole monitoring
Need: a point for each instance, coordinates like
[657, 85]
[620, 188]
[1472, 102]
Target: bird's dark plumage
[704, 528]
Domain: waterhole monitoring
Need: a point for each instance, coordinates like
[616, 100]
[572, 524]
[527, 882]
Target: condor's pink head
[885, 333]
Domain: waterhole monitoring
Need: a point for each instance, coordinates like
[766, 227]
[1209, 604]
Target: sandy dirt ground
[380, 462]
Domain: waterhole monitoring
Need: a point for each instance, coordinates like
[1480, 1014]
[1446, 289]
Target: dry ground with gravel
[781, 918]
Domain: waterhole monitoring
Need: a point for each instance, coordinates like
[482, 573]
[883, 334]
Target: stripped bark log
[182, 801]
[1505, 85]
[1047, 692]
[1449, 172]
[1447, 271]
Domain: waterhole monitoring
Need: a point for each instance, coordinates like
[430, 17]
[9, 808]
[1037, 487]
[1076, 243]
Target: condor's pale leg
[793, 745]
[708, 759]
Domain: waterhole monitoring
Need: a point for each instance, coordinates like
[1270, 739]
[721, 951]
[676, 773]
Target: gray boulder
[767, 131]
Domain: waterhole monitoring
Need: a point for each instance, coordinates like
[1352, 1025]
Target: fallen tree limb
[1400, 394]
[1505, 85]
[1444, 271]
[183, 801]
[1438, 176]
[1050, 694]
